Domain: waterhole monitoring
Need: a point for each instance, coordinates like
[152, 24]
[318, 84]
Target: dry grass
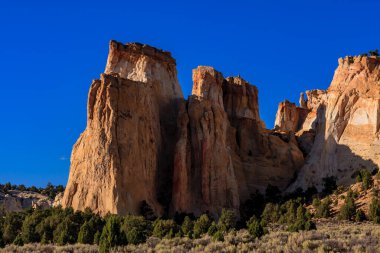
[330, 237]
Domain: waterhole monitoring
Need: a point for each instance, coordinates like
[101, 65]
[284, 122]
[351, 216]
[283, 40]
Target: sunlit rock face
[224, 153]
[346, 121]
[144, 143]
[124, 156]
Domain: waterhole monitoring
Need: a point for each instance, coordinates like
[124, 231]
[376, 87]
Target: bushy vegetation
[365, 177]
[50, 190]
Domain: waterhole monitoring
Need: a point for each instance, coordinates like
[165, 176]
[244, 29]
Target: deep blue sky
[50, 52]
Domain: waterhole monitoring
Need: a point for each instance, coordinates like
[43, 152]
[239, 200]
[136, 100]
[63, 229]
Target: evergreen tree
[187, 226]
[136, 229]
[201, 225]
[324, 210]
[227, 220]
[348, 210]
[12, 226]
[86, 234]
[374, 210]
[212, 229]
[165, 228]
[254, 227]
[111, 235]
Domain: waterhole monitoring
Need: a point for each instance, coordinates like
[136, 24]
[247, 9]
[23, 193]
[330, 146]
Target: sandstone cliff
[124, 156]
[145, 144]
[345, 120]
[224, 154]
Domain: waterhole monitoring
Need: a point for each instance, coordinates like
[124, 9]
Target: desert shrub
[86, 234]
[187, 226]
[136, 229]
[254, 227]
[348, 209]
[97, 237]
[323, 210]
[303, 221]
[218, 236]
[212, 229]
[18, 240]
[164, 228]
[374, 210]
[201, 225]
[227, 220]
[12, 226]
[271, 213]
[29, 231]
[111, 234]
[365, 177]
[316, 202]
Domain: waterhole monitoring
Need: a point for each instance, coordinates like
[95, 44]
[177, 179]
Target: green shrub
[187, 226]
[271, 213]
[136, 229]
[18, 240]
[201, 225]
[374, 210]
[348, 209]
[164, 228]
[218, 236]
[227, 220]
[254, 227]
[111, 234]
[323, 210]
[86, 234]
[12, 226]
[212, 229]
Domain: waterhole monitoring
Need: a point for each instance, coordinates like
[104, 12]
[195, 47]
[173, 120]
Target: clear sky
[51, 50]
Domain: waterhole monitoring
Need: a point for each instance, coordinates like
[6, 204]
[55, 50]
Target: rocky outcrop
[145, 144]
[345, 119]
[224, 154]
[16, 201]
[124, 157]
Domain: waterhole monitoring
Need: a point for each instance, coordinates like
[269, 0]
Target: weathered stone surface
[204, 177]
[224, 154]
[124, 156]
[16, 201]
[346, 120]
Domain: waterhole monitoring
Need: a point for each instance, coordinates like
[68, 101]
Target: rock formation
[345, 119]
[16, 201]
[224, 154]
[145, 144]
[124, 156]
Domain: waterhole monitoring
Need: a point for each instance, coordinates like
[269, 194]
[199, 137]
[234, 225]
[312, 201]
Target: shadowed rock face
[345, 119]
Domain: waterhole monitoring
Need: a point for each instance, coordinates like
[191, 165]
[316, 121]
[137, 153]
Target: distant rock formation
[15, 200]
[144, 143]
[345, 120]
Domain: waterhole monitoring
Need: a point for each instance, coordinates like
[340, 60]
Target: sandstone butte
[145, 144]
